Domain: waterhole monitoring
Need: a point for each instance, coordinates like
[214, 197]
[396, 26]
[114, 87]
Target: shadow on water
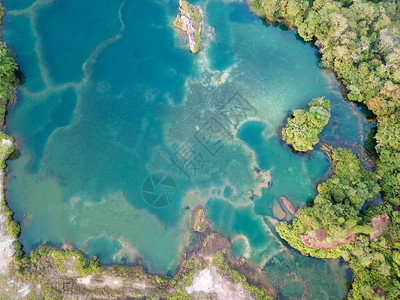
[21, 76]
[300, 39]
[265, 23]
[369, 115]
[15, 154]
[370, 142]
[281, 26]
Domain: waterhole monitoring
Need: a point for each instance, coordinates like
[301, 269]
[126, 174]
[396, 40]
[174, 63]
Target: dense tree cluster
[302, 129]
[8, 80]
[360, 41]
[334, 219]
[335, 227]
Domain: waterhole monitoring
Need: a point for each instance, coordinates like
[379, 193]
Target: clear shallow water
[112, 95]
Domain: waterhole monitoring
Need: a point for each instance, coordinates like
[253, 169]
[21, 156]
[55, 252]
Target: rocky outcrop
[190, 20]
[288, 205]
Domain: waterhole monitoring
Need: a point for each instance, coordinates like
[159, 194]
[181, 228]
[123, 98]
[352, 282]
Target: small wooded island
[190, 20]
[302, 129]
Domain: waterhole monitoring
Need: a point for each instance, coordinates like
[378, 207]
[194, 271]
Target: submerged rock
[278, 211]
[263, 180]
[190, 20]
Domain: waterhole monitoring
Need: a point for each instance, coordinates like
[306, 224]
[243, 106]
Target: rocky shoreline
[205, 273]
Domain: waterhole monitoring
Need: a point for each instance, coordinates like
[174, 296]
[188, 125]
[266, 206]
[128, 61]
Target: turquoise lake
[112, 101]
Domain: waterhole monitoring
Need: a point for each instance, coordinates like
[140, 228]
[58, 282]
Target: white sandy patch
[209, 281]
[24, 290]
[84, 280]
[103, 281]
[6, 249]
[6, 142]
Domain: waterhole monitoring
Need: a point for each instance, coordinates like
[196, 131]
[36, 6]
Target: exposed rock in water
[199, 220]
[263, 179]
[67, 246]
[190, 20]
[278, 211]
[288, 205]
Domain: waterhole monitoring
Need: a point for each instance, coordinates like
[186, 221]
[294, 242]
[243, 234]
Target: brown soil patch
[321, 234]
[379, 293]
[318, 244]
[67, 246]
[212, 243]
[379, 225]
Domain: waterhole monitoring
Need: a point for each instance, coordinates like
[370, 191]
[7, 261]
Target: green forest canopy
[302, 129]
[360, 41]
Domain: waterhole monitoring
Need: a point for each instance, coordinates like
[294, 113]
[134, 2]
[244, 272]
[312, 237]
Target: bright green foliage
[188, 268]
[179, 294]
[389, 163]
[351, 183]
[6, 148]
[199, 220]
[8, 80]
[82, 266]
[359, 40]
[67, 262]
[376, 264]
[335, 213]
[302, 130]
